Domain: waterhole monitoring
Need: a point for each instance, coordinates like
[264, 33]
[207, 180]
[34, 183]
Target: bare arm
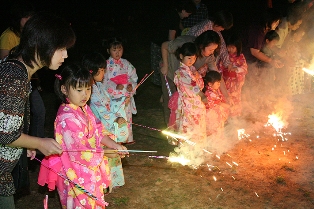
[261, 56]
[164, 55]
[47, 146]
[4, 53]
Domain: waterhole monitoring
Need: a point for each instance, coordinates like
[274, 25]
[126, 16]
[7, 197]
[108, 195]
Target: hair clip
[58, 76]
[91, 71]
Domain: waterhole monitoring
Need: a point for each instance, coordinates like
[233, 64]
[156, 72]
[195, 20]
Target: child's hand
[119, 87]
[127, 101]
[129, 88]
[123, 153]
[31, 154]
[205, 100]
[121, 121]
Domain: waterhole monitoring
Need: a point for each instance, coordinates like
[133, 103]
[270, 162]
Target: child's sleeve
[241, 65]
[132, 76]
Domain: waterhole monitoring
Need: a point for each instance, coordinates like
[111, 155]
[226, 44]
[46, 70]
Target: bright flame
[179, 159]
[275, 121]
[242, 134]
[311, 72]
[177, 136]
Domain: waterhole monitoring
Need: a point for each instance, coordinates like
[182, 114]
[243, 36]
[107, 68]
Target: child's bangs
[79, 82]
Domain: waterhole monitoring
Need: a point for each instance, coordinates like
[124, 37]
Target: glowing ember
[177, 136]
[242, 134]
[179, 159]
[311, 72]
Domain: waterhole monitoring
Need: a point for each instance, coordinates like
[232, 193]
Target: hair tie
[58, 76]
[91, 71]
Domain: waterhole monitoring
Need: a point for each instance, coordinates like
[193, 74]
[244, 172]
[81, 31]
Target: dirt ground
[255, 172]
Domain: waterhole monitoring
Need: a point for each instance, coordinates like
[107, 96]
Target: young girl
[234, 79]
[111, 115]
[120, 80]
[190, 117]
[216, 108]
[82, 140]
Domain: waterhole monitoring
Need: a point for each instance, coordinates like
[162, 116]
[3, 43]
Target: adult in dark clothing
[44, 42]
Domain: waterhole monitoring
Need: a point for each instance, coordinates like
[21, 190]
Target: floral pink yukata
[76, 131]
[234, 81]
[116, 68]
[190, 115]
[216, 115]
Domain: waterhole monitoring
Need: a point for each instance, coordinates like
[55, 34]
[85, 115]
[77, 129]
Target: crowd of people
[206, 78]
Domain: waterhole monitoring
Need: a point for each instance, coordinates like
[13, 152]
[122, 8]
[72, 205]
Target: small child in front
[83, 164]
[190, 117]
[217, 109]
[120, 80]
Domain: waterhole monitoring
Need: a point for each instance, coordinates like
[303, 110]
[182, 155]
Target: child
[234, 79]
[120, 80]
[190, 117]
[112, 116]
[217, 109]
[266, 72]
[83, 162]
[295, 81]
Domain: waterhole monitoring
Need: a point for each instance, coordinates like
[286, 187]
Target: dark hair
[186, 5]
[272, 35]
[294, 13]
[93, 61]
[211, 77]
[236, 41]
[114, 42]
[269, 17]
[20, 9]
[43, 34]
[71, 76]
[205, 39]
[224, 19]
[187, 49]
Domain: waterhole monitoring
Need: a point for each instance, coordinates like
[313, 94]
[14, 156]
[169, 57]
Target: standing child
[190, 117]
[217, 109]
[234, 78]
[82, 163]
[266, 72]
[120, 80]
[111, 115]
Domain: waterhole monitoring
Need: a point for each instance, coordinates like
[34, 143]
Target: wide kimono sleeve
[241, 65]
[14, 92]
[185, 84]
[132, 76]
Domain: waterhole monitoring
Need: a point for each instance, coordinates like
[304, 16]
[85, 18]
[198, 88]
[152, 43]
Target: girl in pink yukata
[118, 87]
[190, 117]
[217, 109]
[234, 78]
[82, 139]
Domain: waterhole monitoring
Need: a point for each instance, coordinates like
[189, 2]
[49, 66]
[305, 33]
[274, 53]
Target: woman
[44, 42]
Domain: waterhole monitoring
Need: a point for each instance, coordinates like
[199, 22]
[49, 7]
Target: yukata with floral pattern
[76, 130]
[106, 113]
[216, 114]
[115, 68]
[190, 117]
[234, 81]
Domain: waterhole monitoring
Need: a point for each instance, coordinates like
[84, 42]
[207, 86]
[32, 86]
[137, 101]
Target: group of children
[92, 137]
[198, 108]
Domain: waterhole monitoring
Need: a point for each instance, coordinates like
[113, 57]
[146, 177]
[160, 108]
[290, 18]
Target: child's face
[116, 52]
[209, 50]
[272, 43]
[232, 49]
[100, 75]
[215, 85]
[188, 60]
[77, 96]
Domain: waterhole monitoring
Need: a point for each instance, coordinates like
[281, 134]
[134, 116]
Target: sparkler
[142, 81]
[311, 72]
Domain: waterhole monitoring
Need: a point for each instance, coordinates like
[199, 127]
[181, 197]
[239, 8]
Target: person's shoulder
[12, 69]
